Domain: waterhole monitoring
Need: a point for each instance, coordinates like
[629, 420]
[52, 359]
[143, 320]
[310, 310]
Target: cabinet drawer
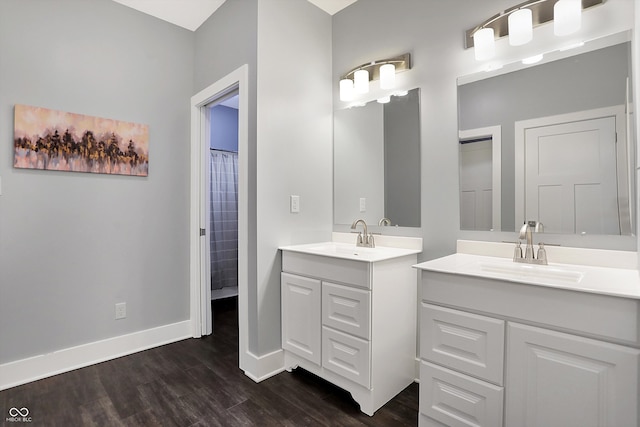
[356, 273]
[466, 342]
[454, 399]
[346, 355]
[347, 309]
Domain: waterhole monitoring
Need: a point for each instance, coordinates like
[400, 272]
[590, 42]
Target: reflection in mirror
[480, 178]
[377, 162]
[566, 155]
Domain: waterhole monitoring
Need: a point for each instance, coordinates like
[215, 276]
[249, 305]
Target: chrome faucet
[384, 222]
[366, 240]
[530, 257]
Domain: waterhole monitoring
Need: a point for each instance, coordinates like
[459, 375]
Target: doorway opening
[230, 86]
[223, 200]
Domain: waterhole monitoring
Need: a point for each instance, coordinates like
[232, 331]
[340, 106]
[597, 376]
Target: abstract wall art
[56, 140]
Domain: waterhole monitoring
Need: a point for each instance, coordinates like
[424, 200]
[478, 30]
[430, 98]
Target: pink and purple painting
[55, 140]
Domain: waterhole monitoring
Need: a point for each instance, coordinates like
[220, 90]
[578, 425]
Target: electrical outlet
[121, 310]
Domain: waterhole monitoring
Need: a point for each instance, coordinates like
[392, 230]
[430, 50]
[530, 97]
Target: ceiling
[190, 14]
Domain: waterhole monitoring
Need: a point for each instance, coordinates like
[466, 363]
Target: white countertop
[351, 251]
[619, 282]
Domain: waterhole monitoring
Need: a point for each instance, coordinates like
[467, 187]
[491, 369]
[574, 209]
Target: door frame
[623, 155]
[200, 305]
[495, 133]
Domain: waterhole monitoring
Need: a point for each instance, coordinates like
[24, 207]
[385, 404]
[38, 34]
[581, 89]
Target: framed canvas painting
[56, 140]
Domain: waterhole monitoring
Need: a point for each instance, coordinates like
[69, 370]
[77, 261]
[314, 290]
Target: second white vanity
[506, 344]
[349, 314]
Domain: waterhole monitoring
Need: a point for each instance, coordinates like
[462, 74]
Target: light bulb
[520, 27]
[346, 90]
[567, 17]
[387, 76]
[361, 81]
[484, 44]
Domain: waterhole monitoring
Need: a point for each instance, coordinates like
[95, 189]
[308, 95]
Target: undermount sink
[529, 271]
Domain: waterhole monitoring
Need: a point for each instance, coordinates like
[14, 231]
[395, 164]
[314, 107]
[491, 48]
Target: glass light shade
[346, 90]
[361, 81]
[567, 17]
[533, 59]
[484, 44]
[520, 27]
[387, 76]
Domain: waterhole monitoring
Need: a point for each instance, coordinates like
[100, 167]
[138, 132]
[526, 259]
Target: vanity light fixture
[520, 27]
[357, 80]
[518, 22]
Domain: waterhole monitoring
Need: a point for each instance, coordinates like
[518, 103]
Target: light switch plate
[295, 204]
[363, 204]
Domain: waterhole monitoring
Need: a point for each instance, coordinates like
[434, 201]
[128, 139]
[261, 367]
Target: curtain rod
[222, 151]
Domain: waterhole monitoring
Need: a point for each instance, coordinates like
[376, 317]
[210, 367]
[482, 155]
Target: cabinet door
[453, 399]
[562, 380]
[347, 309]
[301, 316]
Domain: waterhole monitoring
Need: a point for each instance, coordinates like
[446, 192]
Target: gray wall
[215, 57]
[224, 128]
[74, 244]
[293, 145]
[583, 82]
[289, 134]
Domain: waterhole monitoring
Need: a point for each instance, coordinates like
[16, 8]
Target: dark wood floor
[195, 382]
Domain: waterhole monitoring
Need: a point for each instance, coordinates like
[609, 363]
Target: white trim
[622, 178]
[46, 365]
[259, 368]
[495, 133]
[198, 301]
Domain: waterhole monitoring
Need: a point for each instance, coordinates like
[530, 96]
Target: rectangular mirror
[550, 143]
[377, 162]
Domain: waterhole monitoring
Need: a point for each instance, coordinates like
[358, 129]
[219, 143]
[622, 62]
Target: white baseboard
[46, 365]
[259, 368]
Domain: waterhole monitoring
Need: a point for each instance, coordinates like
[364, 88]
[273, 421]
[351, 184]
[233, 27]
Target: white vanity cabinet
[499, 353]
[351, 322]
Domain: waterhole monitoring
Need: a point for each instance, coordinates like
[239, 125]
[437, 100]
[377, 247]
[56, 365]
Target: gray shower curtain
[223, 218]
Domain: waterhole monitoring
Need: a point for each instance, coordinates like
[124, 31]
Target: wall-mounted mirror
[377, 162]
[550, 143]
